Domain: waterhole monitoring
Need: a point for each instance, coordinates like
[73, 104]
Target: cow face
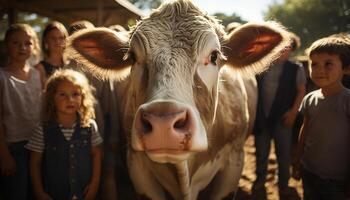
[174, 80]
[175, 57]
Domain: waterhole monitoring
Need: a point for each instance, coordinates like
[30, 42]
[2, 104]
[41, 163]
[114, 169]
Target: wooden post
[99, 12]
[12, 16]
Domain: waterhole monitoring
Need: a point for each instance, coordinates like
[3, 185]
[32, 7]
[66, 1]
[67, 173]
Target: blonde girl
[53, 43]
[65, 149]
[20, 88]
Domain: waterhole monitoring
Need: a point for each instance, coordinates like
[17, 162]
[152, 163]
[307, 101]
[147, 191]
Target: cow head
[172, 62]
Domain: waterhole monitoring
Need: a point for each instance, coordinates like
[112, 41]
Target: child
[53, 43]
[20, 88]
[323, 152]
[65, 154]
[281, 89]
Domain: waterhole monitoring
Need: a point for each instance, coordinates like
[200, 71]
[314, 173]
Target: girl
[53, 43]
[65, 150]
[20, 88]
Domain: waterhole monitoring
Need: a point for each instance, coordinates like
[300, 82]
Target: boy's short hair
[79, 25]
[334, 45]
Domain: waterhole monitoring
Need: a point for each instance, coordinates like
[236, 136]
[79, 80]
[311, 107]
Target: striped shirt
[36, 142]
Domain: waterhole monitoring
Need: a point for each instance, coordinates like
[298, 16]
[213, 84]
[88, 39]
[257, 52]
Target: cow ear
[100, 50]
[254, 46]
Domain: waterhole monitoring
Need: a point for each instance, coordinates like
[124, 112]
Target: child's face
[19, 46]
[326, 69]
[55, 40]
[68, 98]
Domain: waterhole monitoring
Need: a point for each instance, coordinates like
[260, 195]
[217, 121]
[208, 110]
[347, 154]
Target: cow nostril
[181, 123]
[146, 125]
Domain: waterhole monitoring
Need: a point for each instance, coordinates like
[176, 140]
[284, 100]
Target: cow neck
[184, 179]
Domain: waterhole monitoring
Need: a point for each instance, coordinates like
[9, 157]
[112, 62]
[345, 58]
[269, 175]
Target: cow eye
[214, 57]
[131, 55]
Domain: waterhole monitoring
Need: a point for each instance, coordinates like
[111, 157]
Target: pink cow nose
[164, 126]
[163, 121]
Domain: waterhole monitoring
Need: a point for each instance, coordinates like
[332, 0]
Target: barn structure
[99, 12]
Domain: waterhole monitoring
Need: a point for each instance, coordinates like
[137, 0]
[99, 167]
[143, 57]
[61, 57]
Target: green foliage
[312, 19]
[36, 21]
[226, 19]
[146, 4]
[3, 25]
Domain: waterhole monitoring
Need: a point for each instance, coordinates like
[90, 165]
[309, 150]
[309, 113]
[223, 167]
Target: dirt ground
[248, 177]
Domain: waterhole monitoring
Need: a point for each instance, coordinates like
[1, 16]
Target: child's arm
[92, 188]
[42, 73]
[299, 150]
[291, 114]
[7, 162]
[35, 174]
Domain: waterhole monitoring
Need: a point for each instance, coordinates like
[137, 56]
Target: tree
[312, 19]
[226, 19]
[146, 4]
[36, 21]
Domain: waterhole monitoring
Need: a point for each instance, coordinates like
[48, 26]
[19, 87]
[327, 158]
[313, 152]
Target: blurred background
[309, 19]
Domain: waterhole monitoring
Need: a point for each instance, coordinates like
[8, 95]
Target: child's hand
[8, 165]
[90, 191]
[43, 196]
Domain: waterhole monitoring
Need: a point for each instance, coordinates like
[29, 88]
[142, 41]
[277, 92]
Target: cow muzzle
[167, 129]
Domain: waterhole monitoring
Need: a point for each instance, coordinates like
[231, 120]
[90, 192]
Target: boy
[323, 154]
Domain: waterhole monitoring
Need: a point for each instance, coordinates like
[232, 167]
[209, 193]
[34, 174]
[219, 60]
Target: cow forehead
[177, 30]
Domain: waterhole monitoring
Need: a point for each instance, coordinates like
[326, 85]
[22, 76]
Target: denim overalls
[67, 165]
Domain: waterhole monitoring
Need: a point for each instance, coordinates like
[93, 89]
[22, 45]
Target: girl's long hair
[86, 111]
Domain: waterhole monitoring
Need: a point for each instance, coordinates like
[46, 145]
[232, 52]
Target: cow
[187, 96]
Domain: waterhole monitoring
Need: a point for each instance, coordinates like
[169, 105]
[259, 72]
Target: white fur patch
[167, 158]
[206, 70]
[206, 172]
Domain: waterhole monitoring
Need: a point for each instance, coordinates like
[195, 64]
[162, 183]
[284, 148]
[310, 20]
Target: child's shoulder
[344, 101]
[313, 94]
[347, 92]
[34, 71]
[93, 125]
[346, 95]
[3, 75]
[2, 71]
